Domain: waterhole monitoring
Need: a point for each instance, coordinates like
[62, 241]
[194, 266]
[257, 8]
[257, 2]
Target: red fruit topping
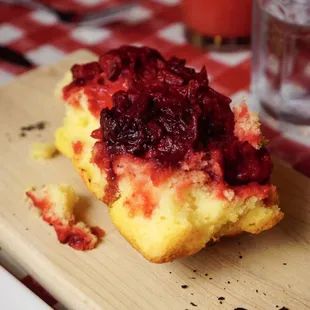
[174, 114]
[85, 72]
[136, 63]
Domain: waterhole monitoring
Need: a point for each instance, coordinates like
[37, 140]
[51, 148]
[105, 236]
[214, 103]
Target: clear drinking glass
[281, 61]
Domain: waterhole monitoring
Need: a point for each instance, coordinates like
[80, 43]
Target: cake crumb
[247, 125]
[56, 203]
[43, 150]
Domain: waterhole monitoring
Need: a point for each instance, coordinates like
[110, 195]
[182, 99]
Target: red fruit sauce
[77, 147]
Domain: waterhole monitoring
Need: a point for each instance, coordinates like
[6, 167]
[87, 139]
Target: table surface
[156, 23]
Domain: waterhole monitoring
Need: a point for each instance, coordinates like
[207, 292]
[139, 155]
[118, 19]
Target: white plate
[16, 296]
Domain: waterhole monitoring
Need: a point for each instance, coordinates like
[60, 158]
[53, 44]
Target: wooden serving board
[254, 272]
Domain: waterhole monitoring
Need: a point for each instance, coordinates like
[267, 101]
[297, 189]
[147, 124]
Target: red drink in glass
[217, 22]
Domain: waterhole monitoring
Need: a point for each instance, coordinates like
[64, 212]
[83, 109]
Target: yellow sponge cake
[176, 166]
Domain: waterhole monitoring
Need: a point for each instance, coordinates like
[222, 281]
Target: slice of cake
[176, 166]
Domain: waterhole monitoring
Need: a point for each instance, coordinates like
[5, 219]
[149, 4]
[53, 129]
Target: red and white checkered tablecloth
[157, 23]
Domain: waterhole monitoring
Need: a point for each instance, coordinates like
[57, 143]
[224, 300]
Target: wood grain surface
[253, 272]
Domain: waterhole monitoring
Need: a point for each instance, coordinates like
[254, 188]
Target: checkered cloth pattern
[41, 37]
